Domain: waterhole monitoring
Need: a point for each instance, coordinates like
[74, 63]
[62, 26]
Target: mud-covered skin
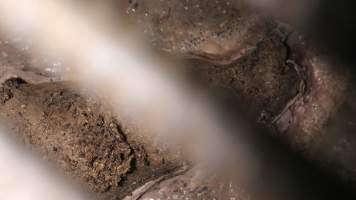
[218, 31]
[261, 81]
[320, 122]
[291, 86]
[235, 48]
[75, 133]
[285, 84]
[325, 90]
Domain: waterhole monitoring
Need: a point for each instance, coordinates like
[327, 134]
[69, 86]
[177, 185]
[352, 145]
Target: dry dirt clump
[77, 135]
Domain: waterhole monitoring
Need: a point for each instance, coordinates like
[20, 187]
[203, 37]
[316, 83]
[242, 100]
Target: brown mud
[81, 138]
[273, 75]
